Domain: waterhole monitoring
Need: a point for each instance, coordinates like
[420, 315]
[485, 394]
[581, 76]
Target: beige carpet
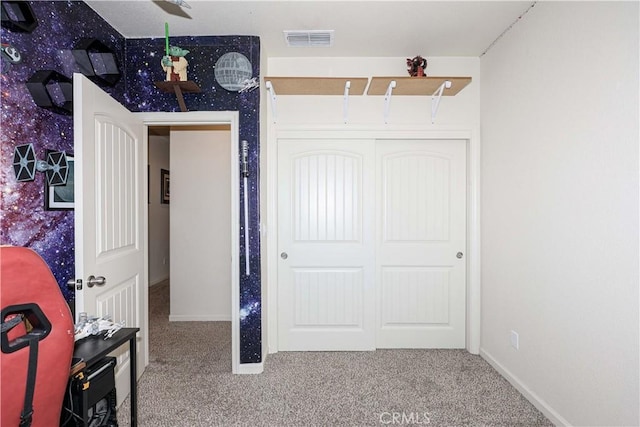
[189, 383]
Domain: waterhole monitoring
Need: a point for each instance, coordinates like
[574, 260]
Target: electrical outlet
[515, 340]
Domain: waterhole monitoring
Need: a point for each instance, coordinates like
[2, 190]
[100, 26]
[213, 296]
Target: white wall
[200, 223]
[559, 105]
[158, 213]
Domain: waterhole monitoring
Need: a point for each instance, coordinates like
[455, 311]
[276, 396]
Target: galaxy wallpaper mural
[60, 27]
[143, 68]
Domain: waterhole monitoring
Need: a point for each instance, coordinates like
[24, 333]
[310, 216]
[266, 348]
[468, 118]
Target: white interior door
[421, 239]
[109, 209]
[326, 291]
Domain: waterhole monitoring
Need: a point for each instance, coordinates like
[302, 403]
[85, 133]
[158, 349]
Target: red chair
[37, 341]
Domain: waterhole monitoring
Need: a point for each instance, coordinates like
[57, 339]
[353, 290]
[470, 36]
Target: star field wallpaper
[24, 220]
[142, 69]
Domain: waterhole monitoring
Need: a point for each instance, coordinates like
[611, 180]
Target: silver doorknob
[92, 280]
[459, 255]
[284, 255]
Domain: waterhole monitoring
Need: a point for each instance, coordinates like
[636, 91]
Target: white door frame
[199, 118]
[472, 136]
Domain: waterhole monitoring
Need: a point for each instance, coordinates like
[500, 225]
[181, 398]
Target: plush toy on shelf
[416, 66]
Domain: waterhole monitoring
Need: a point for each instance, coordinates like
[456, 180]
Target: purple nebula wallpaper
[24, 220]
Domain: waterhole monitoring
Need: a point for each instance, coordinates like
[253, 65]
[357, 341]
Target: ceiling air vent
[313, 38]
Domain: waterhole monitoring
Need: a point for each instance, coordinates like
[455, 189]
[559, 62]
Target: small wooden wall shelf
[178, 87]
[424, 86]
[317, 85]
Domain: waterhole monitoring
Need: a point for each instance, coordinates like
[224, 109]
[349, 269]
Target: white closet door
[326, 238]
[421, 233]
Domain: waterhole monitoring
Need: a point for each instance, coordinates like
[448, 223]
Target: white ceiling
[362, 28]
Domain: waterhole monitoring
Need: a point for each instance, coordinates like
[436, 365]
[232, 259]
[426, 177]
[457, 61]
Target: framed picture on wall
[61, 197]
[164, 185]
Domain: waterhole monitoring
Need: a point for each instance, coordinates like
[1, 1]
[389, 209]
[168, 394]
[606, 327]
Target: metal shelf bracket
[273, 99]
[345, 104]
[387, 99]
[435, 99]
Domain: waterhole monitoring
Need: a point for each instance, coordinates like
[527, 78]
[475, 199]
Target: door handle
[92, 281]
[284, 255]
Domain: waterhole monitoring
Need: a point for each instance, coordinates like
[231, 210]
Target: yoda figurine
[175, 65]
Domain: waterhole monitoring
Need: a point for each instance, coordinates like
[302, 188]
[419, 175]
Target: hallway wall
[200, 223]
[159, 217]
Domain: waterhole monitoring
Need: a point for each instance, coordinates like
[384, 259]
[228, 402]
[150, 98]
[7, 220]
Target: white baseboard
[532, 397]
[250, 368]
[199, 318]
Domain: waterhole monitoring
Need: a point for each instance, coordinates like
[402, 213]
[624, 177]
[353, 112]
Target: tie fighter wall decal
[25, 165]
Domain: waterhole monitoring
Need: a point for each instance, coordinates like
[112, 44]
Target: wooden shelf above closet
[317, 85]
[424, 86]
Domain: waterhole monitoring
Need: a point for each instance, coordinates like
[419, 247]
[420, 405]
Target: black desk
[93, 348]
